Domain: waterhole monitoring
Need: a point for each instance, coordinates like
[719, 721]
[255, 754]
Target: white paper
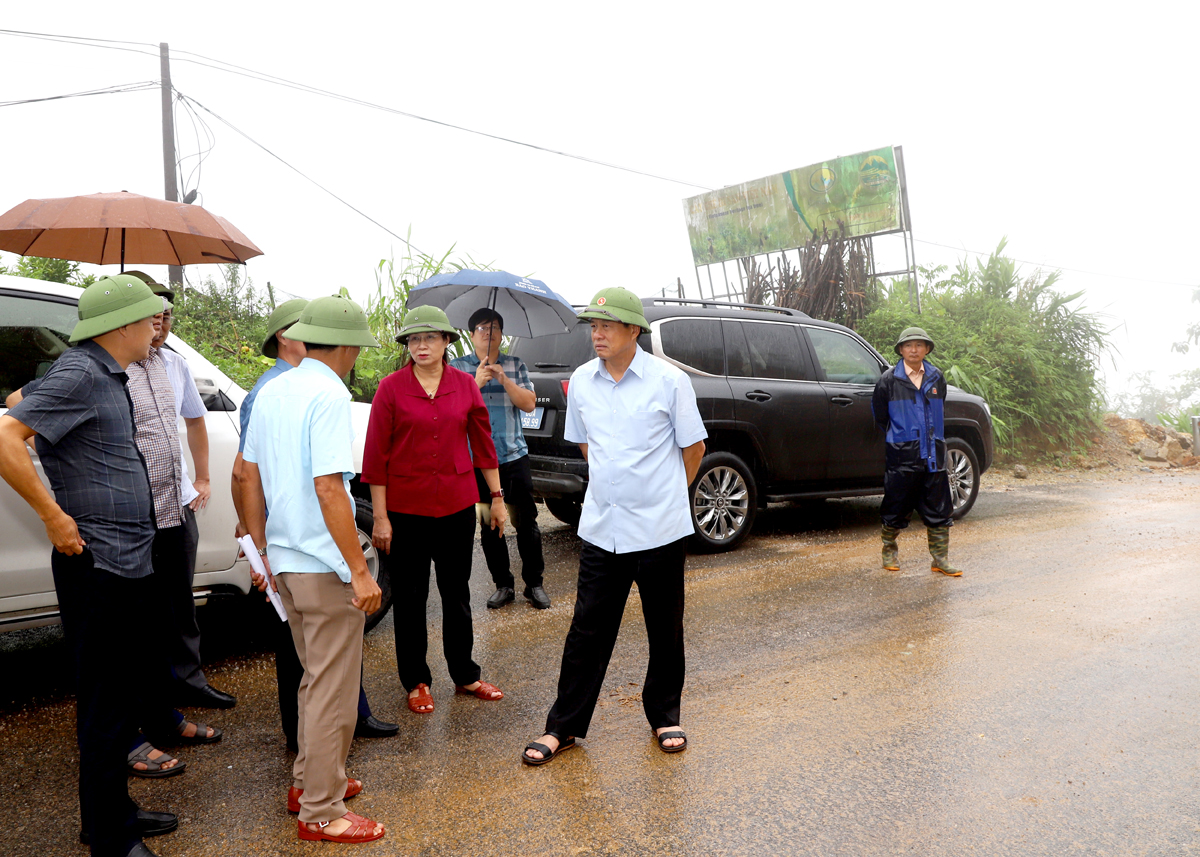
[256, 563]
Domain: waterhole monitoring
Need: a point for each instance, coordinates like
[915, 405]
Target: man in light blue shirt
[635, 418]
[288, 673]
[298, 461]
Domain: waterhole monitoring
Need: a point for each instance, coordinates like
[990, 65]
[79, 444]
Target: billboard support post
[910, 250]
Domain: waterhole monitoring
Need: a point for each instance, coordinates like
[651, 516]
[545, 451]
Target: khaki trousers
[328, 630]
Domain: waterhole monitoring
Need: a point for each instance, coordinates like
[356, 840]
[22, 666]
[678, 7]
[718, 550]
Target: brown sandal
[486, 692]
[422, 703]
[360, 830]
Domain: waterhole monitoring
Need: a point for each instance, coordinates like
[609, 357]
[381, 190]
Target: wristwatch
[262, 551]
[498, 495]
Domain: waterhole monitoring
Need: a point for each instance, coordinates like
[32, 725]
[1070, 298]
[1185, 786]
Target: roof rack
[701, 302]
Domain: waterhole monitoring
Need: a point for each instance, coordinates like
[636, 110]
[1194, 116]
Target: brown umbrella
[115, 228]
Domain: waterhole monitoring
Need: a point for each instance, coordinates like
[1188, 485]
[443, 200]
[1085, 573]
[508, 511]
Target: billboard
[782, 211]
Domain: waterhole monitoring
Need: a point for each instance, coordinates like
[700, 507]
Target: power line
[279, 81]
[107, 90]
[202, 149]
[264, 77]
[296, 170]
[1060, 268]
[230, 68]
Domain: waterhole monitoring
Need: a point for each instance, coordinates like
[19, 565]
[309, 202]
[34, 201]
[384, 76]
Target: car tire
[567, 511]
[962, 466]
[364, 522]
[724, 503]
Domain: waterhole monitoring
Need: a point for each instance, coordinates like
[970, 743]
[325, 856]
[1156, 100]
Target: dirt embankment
[1123, 445]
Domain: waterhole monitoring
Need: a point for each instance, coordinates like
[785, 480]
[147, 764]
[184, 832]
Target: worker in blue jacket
[908, 406]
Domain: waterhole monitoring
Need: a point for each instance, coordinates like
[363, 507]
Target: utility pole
[174, 272]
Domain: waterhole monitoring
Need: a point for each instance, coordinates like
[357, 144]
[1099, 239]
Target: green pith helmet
[911, 333]
[617, 304]
[333, 321]
[285, 314]
[113, 302]
[425, 319]
[157, 288]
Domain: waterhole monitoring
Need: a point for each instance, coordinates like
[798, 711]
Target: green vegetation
[1172, 406]
[226, 320]
[51, 270]
[1029, 351]
[1192, 334]
[385, 308]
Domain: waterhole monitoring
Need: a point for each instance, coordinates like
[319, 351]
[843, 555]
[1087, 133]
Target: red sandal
[423, 698]
[360, 830]
[486, 692]
[353, 787]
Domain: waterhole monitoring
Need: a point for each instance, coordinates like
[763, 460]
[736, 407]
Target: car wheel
[364, 522]
[962, 466]
[567, 511]
[724, 500]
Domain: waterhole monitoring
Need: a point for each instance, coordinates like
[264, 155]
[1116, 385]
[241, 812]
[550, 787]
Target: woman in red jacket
[422, 478]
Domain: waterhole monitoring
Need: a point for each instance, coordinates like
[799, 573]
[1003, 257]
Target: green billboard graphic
[783, 211]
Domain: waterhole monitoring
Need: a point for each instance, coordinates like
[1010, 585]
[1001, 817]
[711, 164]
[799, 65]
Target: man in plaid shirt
[100, 520]
[507, 391]
[153, 395]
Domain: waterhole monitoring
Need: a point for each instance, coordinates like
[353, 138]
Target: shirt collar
[155, 354]
[97, 352]
[412, 386]
[902, 370]
[282, 365]
[318, 367]
[637, 366]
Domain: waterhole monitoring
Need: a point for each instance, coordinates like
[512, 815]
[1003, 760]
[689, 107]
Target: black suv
[786, 400]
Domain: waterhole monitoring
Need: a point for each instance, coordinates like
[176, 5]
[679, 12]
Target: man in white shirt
[193, 686]
[635, 419]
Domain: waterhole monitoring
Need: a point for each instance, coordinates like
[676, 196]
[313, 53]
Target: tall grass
[1031, 352]
[385, 310]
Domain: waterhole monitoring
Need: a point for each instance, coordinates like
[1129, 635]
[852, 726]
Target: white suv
[36, 319]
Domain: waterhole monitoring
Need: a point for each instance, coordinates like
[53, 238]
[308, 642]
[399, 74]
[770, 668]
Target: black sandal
[179, 739]
[547, 753]
[155, 768]
[666, 736]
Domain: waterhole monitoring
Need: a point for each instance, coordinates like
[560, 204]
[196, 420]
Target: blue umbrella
[529, 307]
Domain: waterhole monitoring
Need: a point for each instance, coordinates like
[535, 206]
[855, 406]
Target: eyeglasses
[423, 338]
[484, 328]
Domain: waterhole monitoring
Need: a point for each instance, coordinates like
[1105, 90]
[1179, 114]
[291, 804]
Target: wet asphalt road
[1043, 704]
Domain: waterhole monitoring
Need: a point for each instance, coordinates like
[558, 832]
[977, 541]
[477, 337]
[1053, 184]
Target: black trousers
[447, 542]
[170, 588]
[104, 617]
[927, 493]
[517, 483]
[604, 583]
[175, 566]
